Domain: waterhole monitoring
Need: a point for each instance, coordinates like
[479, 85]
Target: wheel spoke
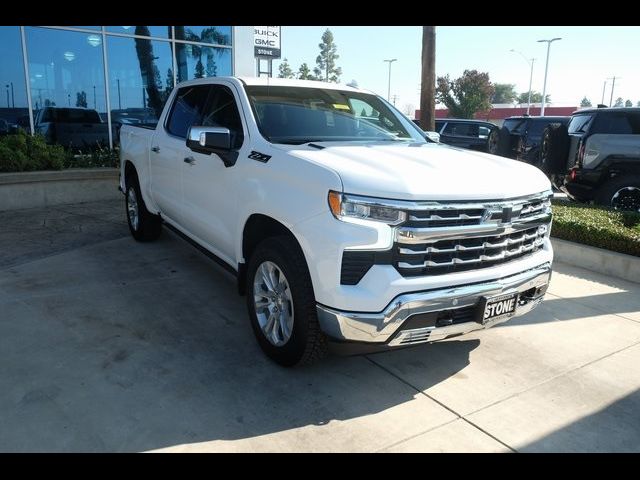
[273, 303]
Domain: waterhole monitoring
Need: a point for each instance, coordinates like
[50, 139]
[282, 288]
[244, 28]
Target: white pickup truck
[342, 221]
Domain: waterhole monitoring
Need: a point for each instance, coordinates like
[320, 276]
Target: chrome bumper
[382, 327]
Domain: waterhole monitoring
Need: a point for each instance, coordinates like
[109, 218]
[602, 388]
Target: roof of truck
[294, 83]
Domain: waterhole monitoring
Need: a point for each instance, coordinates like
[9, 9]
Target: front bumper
[393, 327]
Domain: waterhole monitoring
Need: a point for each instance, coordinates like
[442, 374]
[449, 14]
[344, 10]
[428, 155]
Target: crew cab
[342, 222]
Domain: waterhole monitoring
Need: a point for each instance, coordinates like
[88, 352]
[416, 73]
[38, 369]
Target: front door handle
[190, 160]
[155, 149]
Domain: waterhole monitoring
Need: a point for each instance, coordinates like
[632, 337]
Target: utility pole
[603, 90]
[428, 78]
[613, 85]
[394, 99]
[389, 82]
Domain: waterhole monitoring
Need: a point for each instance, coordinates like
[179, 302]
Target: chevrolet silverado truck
[343, 223]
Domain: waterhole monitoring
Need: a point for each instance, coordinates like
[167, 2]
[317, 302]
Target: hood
[408, 171]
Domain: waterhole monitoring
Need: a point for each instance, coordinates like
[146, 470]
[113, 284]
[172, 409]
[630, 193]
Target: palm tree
[207, 35]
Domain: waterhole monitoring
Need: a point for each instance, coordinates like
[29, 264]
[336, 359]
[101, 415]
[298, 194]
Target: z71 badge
[261, 157]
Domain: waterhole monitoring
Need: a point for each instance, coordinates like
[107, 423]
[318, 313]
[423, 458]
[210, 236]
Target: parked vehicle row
[593, 155]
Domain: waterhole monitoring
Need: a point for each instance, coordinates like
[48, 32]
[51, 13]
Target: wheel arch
[257, 228]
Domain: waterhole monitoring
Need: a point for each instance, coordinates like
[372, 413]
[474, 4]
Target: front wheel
[282, 305]
[621, 192]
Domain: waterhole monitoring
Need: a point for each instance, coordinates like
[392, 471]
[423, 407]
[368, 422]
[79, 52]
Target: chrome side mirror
[433, 136]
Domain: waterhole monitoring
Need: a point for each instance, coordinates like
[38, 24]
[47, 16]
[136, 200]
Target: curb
[23, 190]
[620, 265]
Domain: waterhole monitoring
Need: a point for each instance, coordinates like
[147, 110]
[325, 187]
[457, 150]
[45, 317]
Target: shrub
[23, 153]
[597, 226]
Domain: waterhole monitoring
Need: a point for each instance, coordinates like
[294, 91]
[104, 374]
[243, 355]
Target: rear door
[168, 147]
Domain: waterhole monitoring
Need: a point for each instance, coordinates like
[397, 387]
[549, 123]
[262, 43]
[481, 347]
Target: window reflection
[215, 35]
[196, 61]
[153, 31]
[140, 79]
[67, 74]
[14, 110]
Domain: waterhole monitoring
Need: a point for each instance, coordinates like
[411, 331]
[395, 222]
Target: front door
[208, 186]
[168, 151]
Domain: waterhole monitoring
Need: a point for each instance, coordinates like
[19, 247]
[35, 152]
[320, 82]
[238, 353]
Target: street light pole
[530, 76]
[7, 95]
[613, 85]
[389, 83]
[603, 90]
[546, 69]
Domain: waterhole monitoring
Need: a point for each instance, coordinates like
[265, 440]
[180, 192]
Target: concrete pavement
[111, 345]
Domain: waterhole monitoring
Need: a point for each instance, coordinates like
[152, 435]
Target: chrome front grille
[440, 238]
[447, 256]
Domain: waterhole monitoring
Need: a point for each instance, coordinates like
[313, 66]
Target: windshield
[297, 115]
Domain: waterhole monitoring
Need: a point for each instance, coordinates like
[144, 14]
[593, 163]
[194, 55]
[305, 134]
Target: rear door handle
[190, 160]
[155, 149]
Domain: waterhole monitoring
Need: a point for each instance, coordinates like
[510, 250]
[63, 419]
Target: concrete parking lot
[111, 345]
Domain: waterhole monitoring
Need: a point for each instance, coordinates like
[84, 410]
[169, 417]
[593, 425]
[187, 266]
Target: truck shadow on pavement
[121, 346]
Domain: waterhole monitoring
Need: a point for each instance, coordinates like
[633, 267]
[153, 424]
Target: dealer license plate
[498, 307]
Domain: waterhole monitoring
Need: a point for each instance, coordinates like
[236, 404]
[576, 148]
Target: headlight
[350, 206]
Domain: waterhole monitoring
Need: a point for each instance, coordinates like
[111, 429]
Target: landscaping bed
[597, 226]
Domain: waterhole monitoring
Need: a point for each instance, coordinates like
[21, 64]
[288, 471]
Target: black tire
[504, 147]
[621, 192]
[493, 141]
[307, 342]
[148, 226]
[554, 149]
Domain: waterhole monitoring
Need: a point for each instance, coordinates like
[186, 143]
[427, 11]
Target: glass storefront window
[140, 80]
[195, 61]
[14, 107]
[215, 35]
[88, 28]
[67, 73]
[151, 31]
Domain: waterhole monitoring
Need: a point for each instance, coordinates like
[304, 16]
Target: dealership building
[125, 74]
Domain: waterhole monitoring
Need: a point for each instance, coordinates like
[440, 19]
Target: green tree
[199, 70]
[619, 102]
[466, 95]
[326, 61]
[504, 93]
[284, 70]
[536, 97]
[81, 99]
[628, 103]
[304, 73]
[585, 102]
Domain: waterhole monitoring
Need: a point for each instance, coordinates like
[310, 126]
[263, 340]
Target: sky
[579, 64]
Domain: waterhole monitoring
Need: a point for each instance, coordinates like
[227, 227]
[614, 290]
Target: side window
[612, 123]
[463, 129]
[222, 111]
[439, 126]
[187, 109]
[484, 132]
[579, 123]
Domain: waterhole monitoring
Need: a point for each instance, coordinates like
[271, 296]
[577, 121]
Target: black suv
[597, 156]
[470, 134]
[520, 137]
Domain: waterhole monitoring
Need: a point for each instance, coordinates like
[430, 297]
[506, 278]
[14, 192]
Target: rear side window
[516, 125]
[439, 126]
[579, 123]
[537, 127]
[620, 123]
[187, 109]
[463, 129]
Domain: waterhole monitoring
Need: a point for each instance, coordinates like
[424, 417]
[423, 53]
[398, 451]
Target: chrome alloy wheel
[273, 303]
[132, 207]
[627, 198]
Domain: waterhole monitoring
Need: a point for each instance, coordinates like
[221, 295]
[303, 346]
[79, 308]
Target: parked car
[75, 128]
[470, 134]
[521, 136]
[597, 156]
[337, 228]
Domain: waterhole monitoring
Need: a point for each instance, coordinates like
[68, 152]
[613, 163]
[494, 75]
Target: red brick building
[498, 114]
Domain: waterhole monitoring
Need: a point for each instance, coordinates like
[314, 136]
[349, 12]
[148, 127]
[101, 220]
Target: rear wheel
[281, 303]
[143, 225]
[621, 192]
[554, 149]
[493, 141]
